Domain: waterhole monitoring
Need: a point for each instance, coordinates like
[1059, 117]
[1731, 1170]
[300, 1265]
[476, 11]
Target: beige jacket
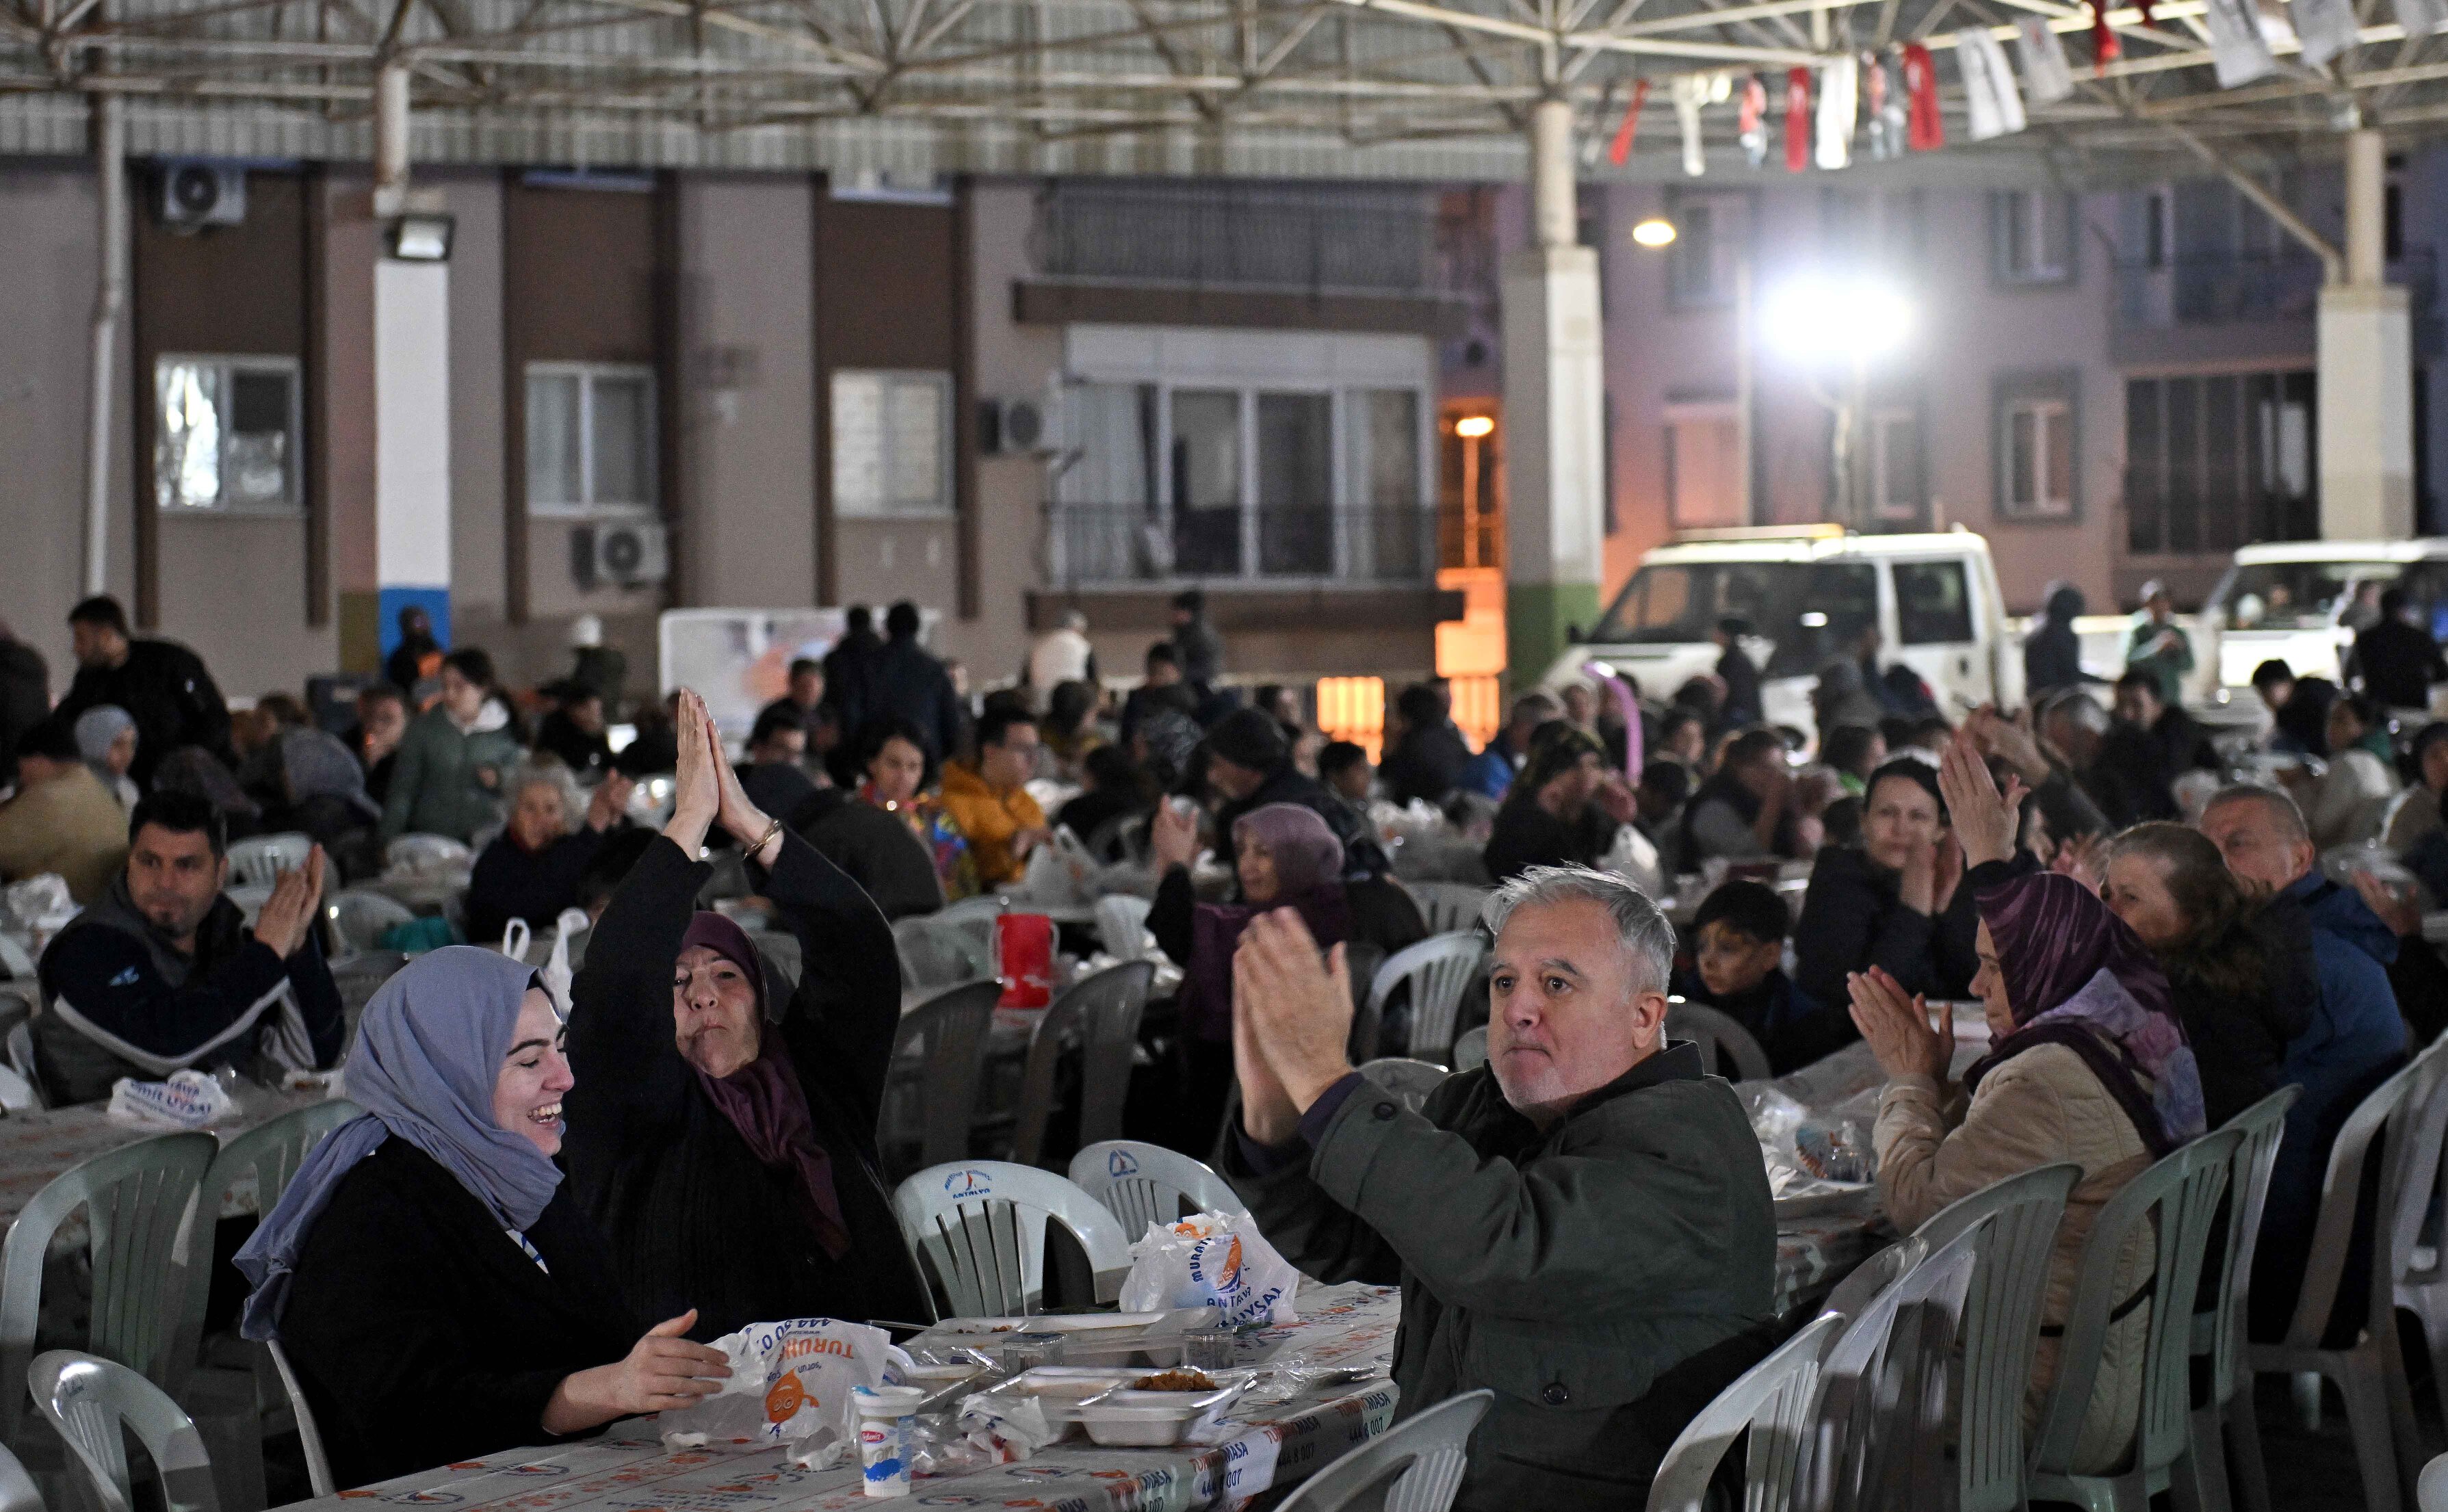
[2040, 1108]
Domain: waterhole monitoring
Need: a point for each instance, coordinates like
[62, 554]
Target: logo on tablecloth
[541, 1468]
[1035, 1472]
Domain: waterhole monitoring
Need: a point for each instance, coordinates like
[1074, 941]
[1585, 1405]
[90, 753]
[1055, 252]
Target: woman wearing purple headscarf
[722, 1132]
[2086, 1064]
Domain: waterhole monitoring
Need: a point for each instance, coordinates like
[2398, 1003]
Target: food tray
[1061, 1389]
[1050, 1322]
[1124, 1418]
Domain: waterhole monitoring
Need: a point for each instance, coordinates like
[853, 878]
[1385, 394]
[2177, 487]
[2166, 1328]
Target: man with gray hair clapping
[1584, 1225]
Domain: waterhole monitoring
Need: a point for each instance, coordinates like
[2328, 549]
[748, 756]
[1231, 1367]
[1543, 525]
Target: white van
[1807, 590]
[2303, 603]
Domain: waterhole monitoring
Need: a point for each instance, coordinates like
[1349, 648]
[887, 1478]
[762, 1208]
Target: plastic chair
[13, 958]
[258, 860]
[939, 1055]
[2420, 1282]
[361, 916]
[1449, 907]
[2431, 1492]
[1853, 1295]
[981, 1227]
[2218, 1342]
[21, 1058]
[2175, 1203]
[1409, 1081]
[1104, 1012]
[2003, 1321]
[1121, 927]
[933, 956]
[137, 1200]
[1416, 1466]
[1470, 1050]
[1718, 1034]
[89, 1401]
[309, 1437]
[1880, 1435]
[1140, 1184]
[1438, 968]
[976, 912]
[1362, 959]
[1771, 1403]
[2369, 1372]
[427, 852]
[17, 1490]
[272, 1154]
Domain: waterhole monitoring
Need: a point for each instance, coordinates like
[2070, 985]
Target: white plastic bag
[558, 973]
[791, 1385]
[189, 1100]
[1216, 1260]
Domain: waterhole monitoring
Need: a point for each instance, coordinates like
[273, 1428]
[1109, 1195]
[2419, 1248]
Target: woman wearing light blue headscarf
[106, 738]
[438, 1295]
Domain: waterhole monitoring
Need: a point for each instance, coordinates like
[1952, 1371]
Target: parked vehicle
[2303, 601]
[1807, 590]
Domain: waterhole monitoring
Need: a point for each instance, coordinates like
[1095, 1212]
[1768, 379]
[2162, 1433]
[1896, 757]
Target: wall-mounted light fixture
[419, 239]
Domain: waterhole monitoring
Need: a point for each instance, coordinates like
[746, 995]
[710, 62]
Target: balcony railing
[1345, 238]
[2284, 284]
[1109, 543]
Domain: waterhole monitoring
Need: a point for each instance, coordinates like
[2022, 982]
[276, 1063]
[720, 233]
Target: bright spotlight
[1474, 426]
[1655, 232]
[1820, 319]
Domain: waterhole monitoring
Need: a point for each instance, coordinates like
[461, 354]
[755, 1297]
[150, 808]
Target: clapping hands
[283, 921]
[1896, 1026]
[1291, 1021]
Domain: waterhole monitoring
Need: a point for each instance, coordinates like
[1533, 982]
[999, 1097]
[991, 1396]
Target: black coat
[1853, 920]
[1742, 681]
[906, 682]
[850, 676]
[165, 688]
[2053, 657]
[422, 1333]
[2399, 664]
[695, 1219]
[25, 698]
[1427, 763]
[1362, 855]
[2240, 1044]
[512, 882]
[1527, 835]
[875, 848]
[588, 755]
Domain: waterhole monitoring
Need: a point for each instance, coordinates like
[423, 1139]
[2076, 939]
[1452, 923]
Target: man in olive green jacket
[1584, 1225]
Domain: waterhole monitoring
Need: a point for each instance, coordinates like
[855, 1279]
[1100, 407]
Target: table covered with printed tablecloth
[36, 1147]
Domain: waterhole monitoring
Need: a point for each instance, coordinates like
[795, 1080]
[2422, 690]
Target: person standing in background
[849, 673]
[161, 683]
[907, 683]
[2159, 645]
[25, 694]
[419, 656]
[1734, 669]
[1061, 655]
[2052, 652]
[2396, 660]
[1196, 642]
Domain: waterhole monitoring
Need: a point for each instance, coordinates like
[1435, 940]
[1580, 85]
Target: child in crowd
[1737, 960]
[1343, 767]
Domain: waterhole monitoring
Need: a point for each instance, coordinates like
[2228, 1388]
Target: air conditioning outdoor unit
[198, 192]
[1017, 426]
[624, 555]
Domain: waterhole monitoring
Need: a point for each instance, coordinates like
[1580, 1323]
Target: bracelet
[766, 839]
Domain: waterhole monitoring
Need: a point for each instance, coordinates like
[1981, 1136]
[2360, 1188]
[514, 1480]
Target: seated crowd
[2153, 947]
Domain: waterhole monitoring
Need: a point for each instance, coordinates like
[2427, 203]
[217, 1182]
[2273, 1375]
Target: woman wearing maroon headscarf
[2087, 1065]
[722, 1133]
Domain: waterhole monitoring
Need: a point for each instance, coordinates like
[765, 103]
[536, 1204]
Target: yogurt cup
[884, 1436]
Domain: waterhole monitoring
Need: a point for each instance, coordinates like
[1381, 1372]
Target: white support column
[2367, 370]
[1554, 400]
[411, 392]
[110, 129]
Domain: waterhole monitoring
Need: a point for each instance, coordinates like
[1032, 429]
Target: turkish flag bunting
[1621, 148]
[1797, 119]
[1925, 130]
[2105, 49]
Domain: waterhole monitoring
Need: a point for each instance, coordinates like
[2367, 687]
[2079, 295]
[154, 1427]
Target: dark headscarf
[1556, 747]
[1308, 867]
[2076, 976]
[763, 1099]
[1249, 737]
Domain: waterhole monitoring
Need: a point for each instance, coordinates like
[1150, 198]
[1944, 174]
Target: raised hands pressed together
[1291, 1021]
[1896, 1024]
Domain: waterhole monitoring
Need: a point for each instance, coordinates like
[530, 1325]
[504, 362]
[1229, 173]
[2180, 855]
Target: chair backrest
[2261, 1126]
[936, 955]
[1718, 1034]
[428, 852]
[18, 1492]
[1449, 907]
[1362, 958]
[258, 860]
[980, 1225]
[973, 913]
[1409, 1081]
[1140, 1184]
[1471, 1048]
[1121, 926]
[1416, 1466]
[2169, 1207]
[1439, 969]
[309, 1437]
[21, 1057]
[2002, 1321]
[2358, 1144]
[90, 1400]
[949, 1033]
[1866, 1432]
[1104, 1012]
[359, 916]
[2431, 1491]
[1773, 1403]
[137, 1200]
[1854, 1294]
[20, 964]
[2418, 1178]
[269, 1154]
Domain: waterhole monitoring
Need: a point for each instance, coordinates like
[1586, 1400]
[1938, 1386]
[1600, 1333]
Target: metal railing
[2284, 284]
[1129, 542]
[1353, 237]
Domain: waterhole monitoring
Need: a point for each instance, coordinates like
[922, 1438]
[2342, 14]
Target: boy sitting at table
[1738, 968]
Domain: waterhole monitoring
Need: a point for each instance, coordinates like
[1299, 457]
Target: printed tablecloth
[36, 1147]
[627, 1469]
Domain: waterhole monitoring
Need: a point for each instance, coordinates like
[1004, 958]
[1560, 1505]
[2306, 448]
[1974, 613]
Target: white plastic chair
[934, 956]
[90, 1400]
[21, 1058]
[1121, 927]
[1880, 1433]
[1416, 1466]
[1853, 1295]
[14, 959]
[1140, 1184]
[1772, 1402]
[2218, 1341]
[2431, 1492]
[1409, 1081]
[272, 1154]
[980, 1225]
[971, 913]
[2369, 1372]
[2174, 1202]
[1718, 1034]
[427, 854]
[2420, 1280]
[1470, 1050]
[1449, 907]
[309, 1437]
[258, 860]
[1103, 1014]
[359, 916]
[1439, 969]
[17, 1490]
[939, 1054]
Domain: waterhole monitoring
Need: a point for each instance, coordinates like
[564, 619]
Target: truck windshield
[2297, 594]
[1809, 609]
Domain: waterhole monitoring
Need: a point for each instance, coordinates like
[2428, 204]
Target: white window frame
[293, 469]
[1729, 229]
[1884, 464]
[2043, 208]
[587, 506]
[943, 505]
[2050, 411]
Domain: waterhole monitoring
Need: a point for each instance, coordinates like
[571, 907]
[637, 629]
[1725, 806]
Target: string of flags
[1890, 99]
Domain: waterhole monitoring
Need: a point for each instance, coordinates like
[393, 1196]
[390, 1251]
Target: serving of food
[1174, 1381]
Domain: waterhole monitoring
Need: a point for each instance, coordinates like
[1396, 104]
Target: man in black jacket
[908, 684]
[163, 973]
[1250, 764]
[2395, 659]
[1429, 753]
[849, 671]
[162, 685]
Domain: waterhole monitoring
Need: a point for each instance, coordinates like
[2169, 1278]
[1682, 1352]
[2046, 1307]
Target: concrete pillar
[1554, 402]
[411, 351]
[2367, 370]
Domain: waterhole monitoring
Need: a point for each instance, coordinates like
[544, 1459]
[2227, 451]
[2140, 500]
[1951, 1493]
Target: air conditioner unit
[198, 192]
[624, 555]
[1017, 426]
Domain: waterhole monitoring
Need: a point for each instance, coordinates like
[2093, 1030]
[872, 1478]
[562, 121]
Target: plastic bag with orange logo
[1216, 1260]
[790, 1384]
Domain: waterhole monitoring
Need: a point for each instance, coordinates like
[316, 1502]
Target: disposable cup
[884, 1436]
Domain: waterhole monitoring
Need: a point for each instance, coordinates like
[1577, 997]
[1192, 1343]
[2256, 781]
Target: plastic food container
[1124, 1418]
[884, 1436]
[1061, 1389]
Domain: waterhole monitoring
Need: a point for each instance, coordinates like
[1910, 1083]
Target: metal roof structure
[906, 89]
